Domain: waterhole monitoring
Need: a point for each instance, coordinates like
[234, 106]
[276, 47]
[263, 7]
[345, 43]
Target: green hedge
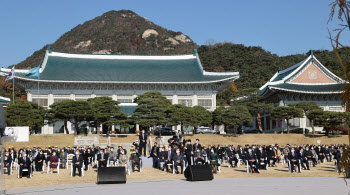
[300, 131]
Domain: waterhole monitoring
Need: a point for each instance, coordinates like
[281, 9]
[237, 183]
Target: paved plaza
[246, 186]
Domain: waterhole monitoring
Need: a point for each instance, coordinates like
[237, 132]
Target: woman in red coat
[53, 162]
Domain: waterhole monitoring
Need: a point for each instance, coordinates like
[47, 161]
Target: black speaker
[199, 173]
[111, 175]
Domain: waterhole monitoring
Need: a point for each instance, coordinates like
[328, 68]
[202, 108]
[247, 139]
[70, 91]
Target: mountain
[256, 65]
[117, 32]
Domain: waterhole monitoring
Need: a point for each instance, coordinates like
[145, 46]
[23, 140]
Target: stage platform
[246, 186]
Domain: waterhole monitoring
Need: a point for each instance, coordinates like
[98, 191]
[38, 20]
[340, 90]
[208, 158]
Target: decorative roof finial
[278, 69]
[195, 52]
[312, 53]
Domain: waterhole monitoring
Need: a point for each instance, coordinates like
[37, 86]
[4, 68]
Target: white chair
[290, 168]
[183, 166]
[69, 159]
[25, 170]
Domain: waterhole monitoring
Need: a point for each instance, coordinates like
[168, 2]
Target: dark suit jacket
[251, 156]
[261, 154]
[154, 150]
[26, 163]
[293, 157]
[141, 138]
[178, 157]
[188, 149]
[167, 155]
[105, 156]
[195, 147]
[8, 159]
[80, 159]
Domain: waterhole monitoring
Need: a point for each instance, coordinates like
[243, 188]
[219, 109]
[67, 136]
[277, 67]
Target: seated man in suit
[77, 162]
[198, 156]
[102, 159]
[294, 159]
[178, 160]
[169, 157]
[7, 162]
[261, 155]
[25, 163]
[303, 159]
[162, 156]
[251, 158]
[231, 155]
[135, 160]
[310, 156]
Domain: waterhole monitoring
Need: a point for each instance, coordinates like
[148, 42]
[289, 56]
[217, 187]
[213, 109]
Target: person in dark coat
[143, 142]
[189, 152]
[24, 163]
[39, 161]
[7, 162]
[293, 159]
[77, 163]
[251, 158]
[303, 159]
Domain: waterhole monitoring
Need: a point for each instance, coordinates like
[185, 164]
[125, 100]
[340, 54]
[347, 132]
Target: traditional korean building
[180, 78]
[306, 81]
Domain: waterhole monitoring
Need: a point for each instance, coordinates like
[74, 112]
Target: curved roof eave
[121, 82]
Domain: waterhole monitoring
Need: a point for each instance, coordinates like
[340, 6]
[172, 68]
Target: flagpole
[13, 85]
[13, 89]
[38, 86]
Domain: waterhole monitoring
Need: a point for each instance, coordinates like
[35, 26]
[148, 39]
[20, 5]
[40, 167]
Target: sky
[279, 26]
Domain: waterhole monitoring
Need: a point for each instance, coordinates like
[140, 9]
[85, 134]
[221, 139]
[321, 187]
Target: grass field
[38, 180]
[68, 140]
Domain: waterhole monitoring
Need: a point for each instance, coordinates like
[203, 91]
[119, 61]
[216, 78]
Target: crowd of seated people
[176, 155]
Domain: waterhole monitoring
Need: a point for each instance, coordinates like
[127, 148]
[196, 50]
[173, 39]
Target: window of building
[42, 102]
[59, 100]
[335, 109]
[124, 100]
[206, 103]
[185, 102]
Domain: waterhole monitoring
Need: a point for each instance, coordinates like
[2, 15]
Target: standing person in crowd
[213, 159]
[178, 161]
[189, 152]
[77, 163]
[135, 160]
[155, 154]
[53, 162]
[7, 162]
[39, 161]
[143, 142]
[25, 163]
[197, 145]
[102, 158]
[86, 156]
